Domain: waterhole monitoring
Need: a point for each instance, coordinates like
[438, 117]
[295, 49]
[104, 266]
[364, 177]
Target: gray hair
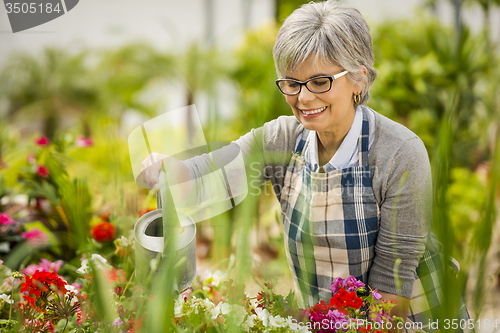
[333, 34]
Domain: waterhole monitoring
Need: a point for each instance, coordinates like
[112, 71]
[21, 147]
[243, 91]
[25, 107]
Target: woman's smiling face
[336, 105]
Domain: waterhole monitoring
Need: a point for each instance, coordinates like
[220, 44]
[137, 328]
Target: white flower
[70, 289]
[211, 308]
[296, 326]
[214, 278]
[224, 307]
[98, 261]
[263, 315]
[194, 306]
[249, 323]
[214, 311]
[277, 321]
[219, 277]
[179, 302]
[303, 329]
[6, 298]
[71, 292]
[292, 323]
[124, 241]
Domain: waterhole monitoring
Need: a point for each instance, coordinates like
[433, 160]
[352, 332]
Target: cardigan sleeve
[405, 215]
[259, 156]
[224, 174]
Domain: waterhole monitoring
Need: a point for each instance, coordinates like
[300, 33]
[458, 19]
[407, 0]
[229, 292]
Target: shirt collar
[345, 152]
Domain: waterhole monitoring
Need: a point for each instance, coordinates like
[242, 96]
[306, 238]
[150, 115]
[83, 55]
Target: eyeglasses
[315, 85]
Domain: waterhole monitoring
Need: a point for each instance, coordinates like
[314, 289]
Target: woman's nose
[305, 96]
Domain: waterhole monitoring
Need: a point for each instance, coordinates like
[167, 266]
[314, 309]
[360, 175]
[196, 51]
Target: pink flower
[376, 295]
[78, 287]
[336, 285]
[42, 171]
[42, 141]
[350, 284]
[336, 316]
[35, 237]
[82, 142]
[31, 159]
[118, 322]
[6, 219]
[44, 266]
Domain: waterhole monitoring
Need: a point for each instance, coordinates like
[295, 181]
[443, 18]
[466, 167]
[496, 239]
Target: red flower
[42, 171]
[354, 302]
[365, 329]
[42, 141]
[344, 299]
[322, 307]
[39, 286]
[103, 232]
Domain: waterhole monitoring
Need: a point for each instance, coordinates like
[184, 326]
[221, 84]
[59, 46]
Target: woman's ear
[362, 77]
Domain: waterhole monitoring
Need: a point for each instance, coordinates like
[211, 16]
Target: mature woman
[354, 186]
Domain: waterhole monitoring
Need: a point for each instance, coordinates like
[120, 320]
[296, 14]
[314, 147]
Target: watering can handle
[158, 200]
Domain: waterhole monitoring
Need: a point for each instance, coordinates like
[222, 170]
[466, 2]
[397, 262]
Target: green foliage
[49, 88]
[260, 100]
[286, 7]
[124, 72]
[441, 83]
[70, 202]
[466, 200]
[422, 65]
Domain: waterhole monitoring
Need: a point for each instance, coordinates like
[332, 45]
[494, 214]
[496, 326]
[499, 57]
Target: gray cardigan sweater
[401, 181]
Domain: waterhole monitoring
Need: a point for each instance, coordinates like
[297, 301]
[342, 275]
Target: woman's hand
[150, 169]
[176, 171]
[177, 174]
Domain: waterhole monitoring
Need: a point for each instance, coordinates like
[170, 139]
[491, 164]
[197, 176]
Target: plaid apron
[331, 223]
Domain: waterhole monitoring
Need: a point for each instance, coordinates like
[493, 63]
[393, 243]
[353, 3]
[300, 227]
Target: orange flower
[117, 276]
[103, 232]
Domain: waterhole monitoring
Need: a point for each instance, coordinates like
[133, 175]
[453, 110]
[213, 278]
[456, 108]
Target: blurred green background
[440, 80]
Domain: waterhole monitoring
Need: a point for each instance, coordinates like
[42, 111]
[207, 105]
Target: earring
[357, 98]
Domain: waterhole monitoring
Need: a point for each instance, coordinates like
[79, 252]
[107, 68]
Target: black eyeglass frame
[304, 83]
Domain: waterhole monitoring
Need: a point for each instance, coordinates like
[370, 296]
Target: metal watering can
[150, 239]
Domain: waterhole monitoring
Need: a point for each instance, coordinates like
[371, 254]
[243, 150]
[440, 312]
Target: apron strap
[363, 140]
[303, 141]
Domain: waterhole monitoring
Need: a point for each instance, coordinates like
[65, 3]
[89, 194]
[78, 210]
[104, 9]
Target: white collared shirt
[347, 154]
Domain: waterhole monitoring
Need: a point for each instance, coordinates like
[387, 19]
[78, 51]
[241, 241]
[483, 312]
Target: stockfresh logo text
[26, 14]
